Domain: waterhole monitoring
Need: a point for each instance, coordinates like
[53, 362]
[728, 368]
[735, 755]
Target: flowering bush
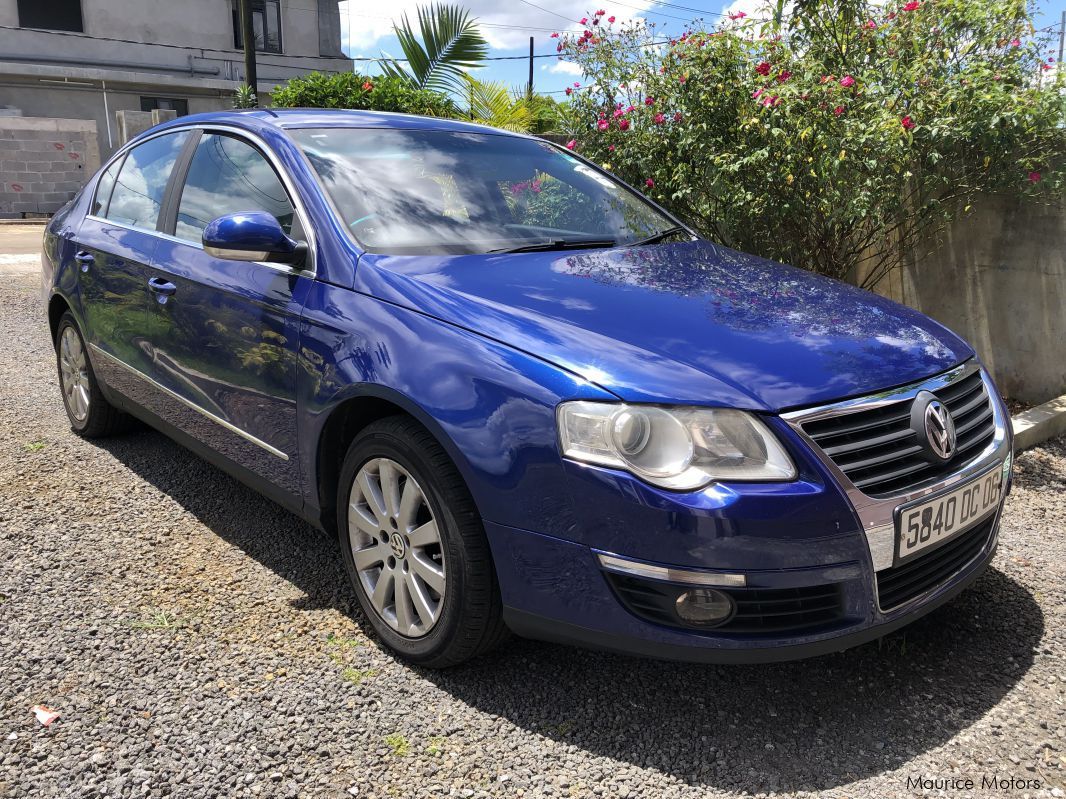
[836, 139]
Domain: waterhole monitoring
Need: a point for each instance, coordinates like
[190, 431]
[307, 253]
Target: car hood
[692, 322]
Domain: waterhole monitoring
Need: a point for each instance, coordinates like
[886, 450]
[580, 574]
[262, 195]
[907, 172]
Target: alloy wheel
[396, 547]
[74, 374]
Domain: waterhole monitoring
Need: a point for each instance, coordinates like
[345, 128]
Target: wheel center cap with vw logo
[399, 549]
[931, 420]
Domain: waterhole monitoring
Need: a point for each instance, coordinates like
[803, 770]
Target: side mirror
[252, 236]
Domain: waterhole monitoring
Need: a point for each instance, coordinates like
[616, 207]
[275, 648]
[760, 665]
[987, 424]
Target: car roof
[289, 118]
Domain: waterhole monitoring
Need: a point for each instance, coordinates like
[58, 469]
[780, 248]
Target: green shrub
[350, 90]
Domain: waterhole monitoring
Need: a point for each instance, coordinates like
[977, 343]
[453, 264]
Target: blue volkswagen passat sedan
[522, 395]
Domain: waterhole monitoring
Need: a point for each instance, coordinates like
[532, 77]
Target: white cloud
[365, 24]
[566, 68]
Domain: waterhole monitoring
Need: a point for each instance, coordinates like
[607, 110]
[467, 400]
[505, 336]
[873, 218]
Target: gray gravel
[200, 641]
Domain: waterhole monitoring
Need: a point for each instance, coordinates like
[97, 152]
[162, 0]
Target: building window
[165, 103]
[53, 15]
[266, 25]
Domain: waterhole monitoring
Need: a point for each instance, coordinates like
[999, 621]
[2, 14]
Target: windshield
[420, 191]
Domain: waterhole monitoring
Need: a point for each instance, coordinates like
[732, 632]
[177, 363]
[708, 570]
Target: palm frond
[491, 103]
[450, 44]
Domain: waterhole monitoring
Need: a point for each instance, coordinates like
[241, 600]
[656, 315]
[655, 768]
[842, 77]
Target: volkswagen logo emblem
[939, 429]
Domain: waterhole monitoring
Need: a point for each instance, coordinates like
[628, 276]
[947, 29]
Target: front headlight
[676, 448]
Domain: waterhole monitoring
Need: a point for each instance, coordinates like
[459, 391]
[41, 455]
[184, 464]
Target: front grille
[900, 584]
[760, 611]
[881, 454]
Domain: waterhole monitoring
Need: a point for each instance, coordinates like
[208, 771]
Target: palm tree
[492, 104]
[451, 44]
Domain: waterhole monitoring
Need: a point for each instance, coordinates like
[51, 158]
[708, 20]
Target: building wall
[43, 162]
[998, 279]
[177, 48]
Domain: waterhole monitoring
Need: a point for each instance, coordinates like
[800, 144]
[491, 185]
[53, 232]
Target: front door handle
[162, 288]
[85, 259]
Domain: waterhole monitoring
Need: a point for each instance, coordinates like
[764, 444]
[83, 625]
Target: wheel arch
[349, 414]
[57, 306]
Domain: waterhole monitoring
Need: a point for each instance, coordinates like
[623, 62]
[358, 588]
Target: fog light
[704, 606]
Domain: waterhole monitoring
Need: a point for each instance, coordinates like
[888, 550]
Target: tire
[398, 451]
[89, 412]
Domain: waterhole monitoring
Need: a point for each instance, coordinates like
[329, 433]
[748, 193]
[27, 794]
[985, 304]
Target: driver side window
[228, 175]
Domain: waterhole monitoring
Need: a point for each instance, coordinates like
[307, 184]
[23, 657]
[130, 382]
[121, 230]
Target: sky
[366, 29]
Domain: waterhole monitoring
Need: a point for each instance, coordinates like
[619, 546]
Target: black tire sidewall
[68, 320]
[386, 441]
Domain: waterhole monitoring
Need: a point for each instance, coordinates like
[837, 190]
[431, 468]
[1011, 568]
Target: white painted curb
[1038, 424]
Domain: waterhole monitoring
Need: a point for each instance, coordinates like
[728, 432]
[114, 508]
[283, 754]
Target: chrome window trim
[876, 515]
[189, 403]
[651, 571]
[290, 187]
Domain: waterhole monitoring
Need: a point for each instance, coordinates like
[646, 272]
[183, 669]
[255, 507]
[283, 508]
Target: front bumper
[803, 562]
[555, 590]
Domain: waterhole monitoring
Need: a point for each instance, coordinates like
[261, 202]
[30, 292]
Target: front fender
[491, 407]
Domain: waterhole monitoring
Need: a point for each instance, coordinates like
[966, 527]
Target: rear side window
[103, 189]
[138, 194]
[228, 175]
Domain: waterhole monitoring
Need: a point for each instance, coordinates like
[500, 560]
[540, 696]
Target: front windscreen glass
[422, 191]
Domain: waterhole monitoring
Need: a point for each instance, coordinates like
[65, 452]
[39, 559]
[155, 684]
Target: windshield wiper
[657, 237]
[557, 244]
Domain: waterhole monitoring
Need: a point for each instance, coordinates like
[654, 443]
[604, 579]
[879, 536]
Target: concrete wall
[998, 279]
[43, 162]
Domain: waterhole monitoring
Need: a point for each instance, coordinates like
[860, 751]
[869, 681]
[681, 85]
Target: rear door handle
[163, 288]
[85, 259]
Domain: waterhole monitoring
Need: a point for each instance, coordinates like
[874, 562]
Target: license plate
[933, 521]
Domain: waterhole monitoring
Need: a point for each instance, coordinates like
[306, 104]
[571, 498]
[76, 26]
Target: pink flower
[601, 12]
[677, 116]
[623, 124]
[367, 86]
[738, 15]
[587, 34]
[1045, 67]
[826, 78]
[555, 35]
[649, 101]
[870, 24]
[838, 110]
[763, 68]
[569, 91]
[583, 21]
[1034, 177]
[684, 78]
[603, 124]
[847, 81]
[535, 185]
[783, 76]
[610, 147]
[659, 118]
[572, 144]
[618, 112]
[756, 93]
[577, 85]
[891, 15]
[907, 122]
[1015, 42]
[913, 5]
[610, 19]
[649, 183]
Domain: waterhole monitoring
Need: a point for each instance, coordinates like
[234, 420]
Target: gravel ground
[200, 641]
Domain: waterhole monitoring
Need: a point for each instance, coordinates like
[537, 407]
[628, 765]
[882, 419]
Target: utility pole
[529, 88]
[244, 8]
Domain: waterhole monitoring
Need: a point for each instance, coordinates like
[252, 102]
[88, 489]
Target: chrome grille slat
[876, 449]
